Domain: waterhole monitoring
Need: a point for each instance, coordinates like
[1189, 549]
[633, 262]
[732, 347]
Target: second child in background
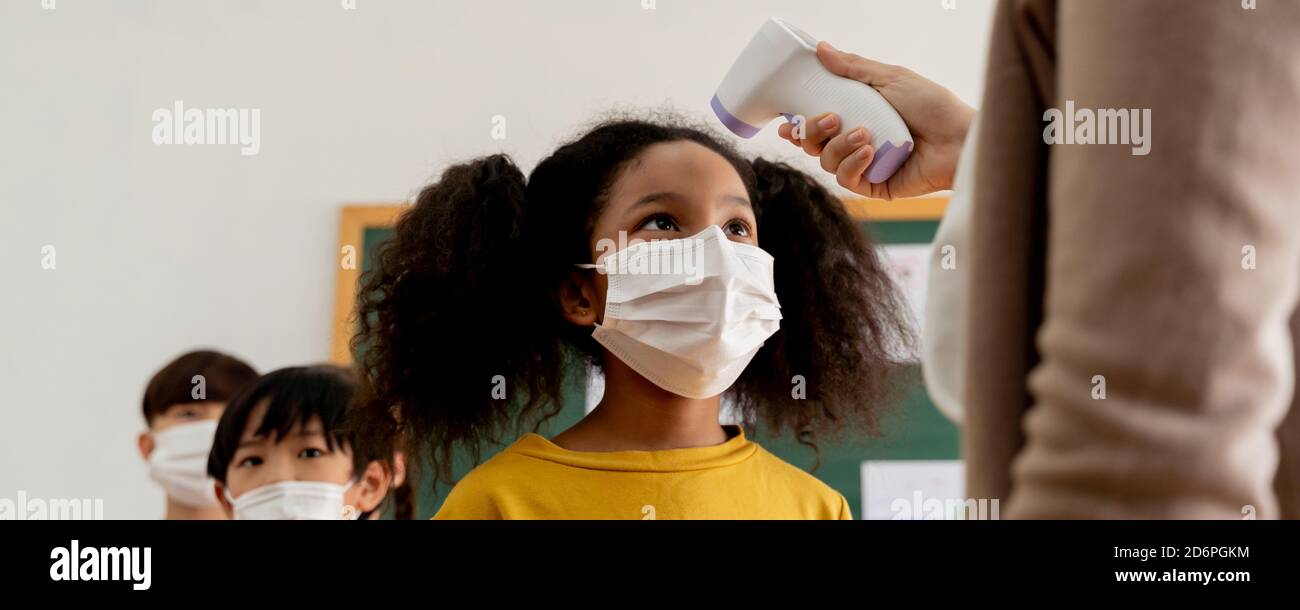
[182, 404]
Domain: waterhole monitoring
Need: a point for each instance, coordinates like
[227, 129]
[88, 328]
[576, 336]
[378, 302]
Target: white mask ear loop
[350, 512]
[600, 268]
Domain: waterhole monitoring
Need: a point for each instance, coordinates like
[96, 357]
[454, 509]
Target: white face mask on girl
[294, 500]
[179, 463]
[688, 314]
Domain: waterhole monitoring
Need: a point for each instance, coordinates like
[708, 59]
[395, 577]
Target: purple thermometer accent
[737, 126]
[888, 159]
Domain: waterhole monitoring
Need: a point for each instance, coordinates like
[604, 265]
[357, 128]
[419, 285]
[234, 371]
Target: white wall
[164, 248]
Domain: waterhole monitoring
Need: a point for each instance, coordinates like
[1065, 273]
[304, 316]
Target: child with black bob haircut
[282, 451]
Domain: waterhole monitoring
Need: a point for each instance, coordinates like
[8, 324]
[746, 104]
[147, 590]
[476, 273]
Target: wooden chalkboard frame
[354, 220]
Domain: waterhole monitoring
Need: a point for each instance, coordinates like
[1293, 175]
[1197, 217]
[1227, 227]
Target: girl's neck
[637, 415]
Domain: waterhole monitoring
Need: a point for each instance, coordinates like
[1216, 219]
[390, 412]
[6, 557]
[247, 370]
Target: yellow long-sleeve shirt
[537, 479]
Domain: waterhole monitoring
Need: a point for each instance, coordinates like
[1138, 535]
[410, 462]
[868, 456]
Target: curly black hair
[465, 290]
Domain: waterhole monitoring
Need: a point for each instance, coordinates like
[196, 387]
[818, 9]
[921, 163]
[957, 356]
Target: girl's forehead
[258, 415]
[681, 165]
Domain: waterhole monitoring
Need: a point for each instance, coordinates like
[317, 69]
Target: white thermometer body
[778, 74]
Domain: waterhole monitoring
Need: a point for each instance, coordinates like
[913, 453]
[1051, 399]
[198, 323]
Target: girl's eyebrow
[252, 440]
[737, 199]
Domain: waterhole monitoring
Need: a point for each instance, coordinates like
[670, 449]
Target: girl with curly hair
[494, 285]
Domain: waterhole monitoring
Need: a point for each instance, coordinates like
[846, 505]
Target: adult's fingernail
[857, 136]
[827, 123]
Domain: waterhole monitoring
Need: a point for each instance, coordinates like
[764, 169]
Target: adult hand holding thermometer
[785, 72]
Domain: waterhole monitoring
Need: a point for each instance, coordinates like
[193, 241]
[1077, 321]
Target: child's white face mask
[294, 500]
[688, 314]
[179, 463]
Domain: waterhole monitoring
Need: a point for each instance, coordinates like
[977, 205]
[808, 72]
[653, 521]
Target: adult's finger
[786, 131]
[817, 130]
[842, 146]
[851, 173]
[856, 67]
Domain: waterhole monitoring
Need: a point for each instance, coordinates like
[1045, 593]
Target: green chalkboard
[914, 430]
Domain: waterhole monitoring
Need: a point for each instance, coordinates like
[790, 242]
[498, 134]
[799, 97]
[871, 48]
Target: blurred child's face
[187, 413]
[176, 415]
[302, 454]
[177, 456]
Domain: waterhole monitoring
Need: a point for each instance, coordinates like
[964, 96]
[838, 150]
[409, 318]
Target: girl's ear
[373, 486]
[578, 296]
[220, 490]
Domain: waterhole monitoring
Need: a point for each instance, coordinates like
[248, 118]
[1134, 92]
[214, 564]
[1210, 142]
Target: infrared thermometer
[778, 75]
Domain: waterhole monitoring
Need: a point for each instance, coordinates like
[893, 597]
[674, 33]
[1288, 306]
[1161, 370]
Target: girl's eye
[250, 461]
[310, 452]
[738, 228]
[659, 222]
[188, 414]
